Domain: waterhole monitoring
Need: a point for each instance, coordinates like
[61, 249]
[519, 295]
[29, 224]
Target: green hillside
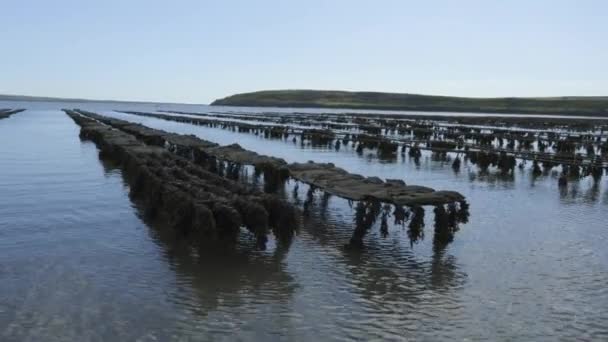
[597, 106]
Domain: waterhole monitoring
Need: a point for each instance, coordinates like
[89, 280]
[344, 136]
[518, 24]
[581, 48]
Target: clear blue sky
[196, 51]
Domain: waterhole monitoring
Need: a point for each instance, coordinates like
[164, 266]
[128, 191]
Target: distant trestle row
[5, 113]
[581, 152]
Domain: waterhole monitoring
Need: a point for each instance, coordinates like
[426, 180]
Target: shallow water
[78, 262]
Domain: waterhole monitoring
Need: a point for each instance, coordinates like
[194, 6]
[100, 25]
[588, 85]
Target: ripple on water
[78, 263]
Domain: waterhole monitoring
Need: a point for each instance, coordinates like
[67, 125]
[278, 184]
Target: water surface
[79, 263]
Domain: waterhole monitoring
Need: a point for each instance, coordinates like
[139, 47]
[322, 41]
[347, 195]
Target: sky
[195, 51]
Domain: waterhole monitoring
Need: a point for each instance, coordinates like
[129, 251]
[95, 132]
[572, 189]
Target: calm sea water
[78, 263]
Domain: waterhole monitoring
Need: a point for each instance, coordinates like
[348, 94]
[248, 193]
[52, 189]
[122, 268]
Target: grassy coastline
[567, 105]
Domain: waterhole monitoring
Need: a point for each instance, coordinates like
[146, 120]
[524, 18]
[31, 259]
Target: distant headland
[573, 105]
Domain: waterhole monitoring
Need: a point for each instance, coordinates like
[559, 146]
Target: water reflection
[506, 180]
[387, 269]
[231, 277]
[388, 277]
[219, 275]
[581, 191]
